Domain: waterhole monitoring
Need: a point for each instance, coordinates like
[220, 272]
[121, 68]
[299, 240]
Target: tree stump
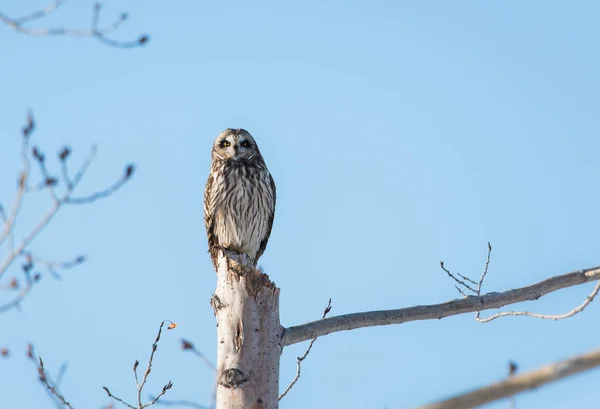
[249, 335]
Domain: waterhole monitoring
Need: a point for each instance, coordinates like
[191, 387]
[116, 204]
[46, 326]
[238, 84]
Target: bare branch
[61, 373]
[149, 367]
[106, 192]
[477, 292]
[466, 286]
[110, 395]
[31, 281]
[50, 385]
[140, 386]
[556, 317]
[303, 357]
[519, 383]
[8, 221]
[95, 31]
[485, 269]
[52, 266]
[40, 13]
[492, 300]
[457, 280]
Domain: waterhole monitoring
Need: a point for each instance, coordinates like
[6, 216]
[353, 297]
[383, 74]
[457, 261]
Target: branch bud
[129, 171]
[64, 153]
[37, 154]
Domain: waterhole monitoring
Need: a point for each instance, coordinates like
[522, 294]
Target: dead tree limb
[463, 287]
[520, 383]
[488, 301]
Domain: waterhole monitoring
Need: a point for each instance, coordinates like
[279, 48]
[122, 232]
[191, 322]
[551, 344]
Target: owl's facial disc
[235, 144]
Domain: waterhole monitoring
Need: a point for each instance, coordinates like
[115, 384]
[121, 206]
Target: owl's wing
[263, 243]
[209, 220]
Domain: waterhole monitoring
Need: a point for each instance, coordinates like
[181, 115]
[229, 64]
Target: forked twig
[61, 193]
[51, 386]
[95, 31]
[479, 284]
[140, 385]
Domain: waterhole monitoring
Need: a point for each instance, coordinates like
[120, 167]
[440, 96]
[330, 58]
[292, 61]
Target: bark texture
[471, 303]
[246, 306]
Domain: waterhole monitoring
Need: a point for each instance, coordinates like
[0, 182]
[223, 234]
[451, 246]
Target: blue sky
[399, 134]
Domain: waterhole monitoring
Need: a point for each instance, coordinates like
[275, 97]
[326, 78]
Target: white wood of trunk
[249, 336]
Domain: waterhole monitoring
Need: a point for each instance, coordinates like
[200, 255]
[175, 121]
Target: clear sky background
[399, 134]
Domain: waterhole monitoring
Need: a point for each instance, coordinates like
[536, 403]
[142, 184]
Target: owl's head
[235, 144]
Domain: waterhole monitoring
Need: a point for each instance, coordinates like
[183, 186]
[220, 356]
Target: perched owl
[239, 199]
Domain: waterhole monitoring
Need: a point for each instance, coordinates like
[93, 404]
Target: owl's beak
[235, 150]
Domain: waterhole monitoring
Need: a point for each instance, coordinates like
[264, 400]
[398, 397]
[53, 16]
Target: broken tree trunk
[249, 335]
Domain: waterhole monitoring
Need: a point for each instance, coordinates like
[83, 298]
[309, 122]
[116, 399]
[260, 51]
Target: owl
[239, 199]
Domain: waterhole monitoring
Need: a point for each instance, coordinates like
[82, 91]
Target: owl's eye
[225, 143]
[245, 144]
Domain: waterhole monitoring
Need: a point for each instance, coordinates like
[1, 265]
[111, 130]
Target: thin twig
[303, 357]
[47, 181]
[477, 292]
[58, 264]
[48, 383]
[99, 33]
[110, 395]
[478, 284]
[149, 367]
[84, 167]
[467, 286]
[98, 195]
[8, 221]
[60, 375]
[25, 291]
[568, 314]
[188, 346]
[140, 386]
[467, 278]
[40, 13]
[22, 184]
[485, 269]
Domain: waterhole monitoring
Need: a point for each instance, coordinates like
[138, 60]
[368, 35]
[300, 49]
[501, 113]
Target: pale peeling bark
[246, 305]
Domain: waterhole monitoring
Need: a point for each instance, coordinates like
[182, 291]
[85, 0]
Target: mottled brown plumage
[240, 196]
